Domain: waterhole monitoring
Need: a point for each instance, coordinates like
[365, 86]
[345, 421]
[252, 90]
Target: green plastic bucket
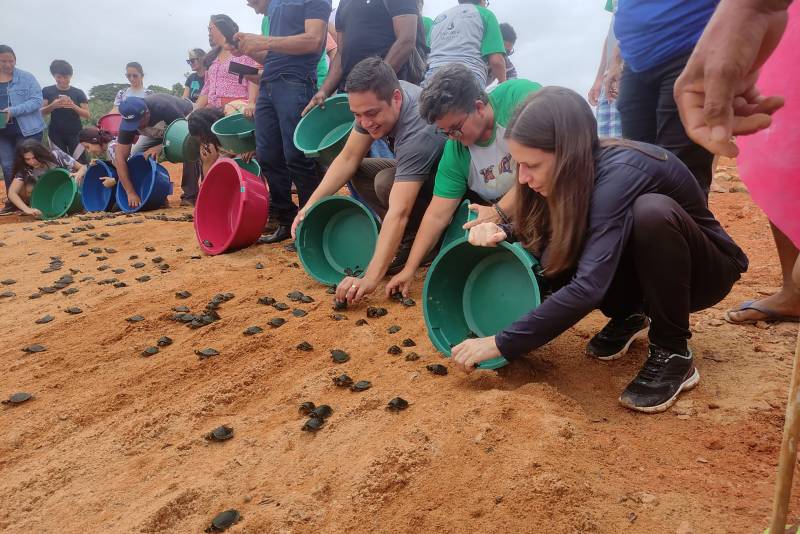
[455, 229]
[476, 292]
[236, 133]
[337, 236]
[253, 167]
[322, 133]
[179, 146]
[56, 194]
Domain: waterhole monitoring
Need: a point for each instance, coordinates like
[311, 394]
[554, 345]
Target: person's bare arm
[121, 163]
[202, 101]
[613, 75]
[594, 92]
[405, 32]
[83, 111]
[49, 107]
[16, 199]
[497, 66]
[185, 92]
[310, 41]
[331, 82]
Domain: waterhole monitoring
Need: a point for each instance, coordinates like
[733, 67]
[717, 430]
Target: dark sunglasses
[193, 60]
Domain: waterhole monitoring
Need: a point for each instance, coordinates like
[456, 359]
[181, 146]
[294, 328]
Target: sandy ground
[114, 442]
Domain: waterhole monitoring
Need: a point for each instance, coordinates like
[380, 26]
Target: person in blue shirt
[298, 31]
[655, 39]
[20, 114]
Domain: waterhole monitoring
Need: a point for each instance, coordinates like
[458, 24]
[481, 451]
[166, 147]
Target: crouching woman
[618, 226]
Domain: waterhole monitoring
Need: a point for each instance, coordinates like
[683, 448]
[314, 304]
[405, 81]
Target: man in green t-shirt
[476, 162]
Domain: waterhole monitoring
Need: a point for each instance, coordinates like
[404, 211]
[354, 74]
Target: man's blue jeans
[9, 137]
[280, 102]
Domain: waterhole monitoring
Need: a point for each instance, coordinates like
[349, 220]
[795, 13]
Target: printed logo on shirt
[505, 164]
[488, 174]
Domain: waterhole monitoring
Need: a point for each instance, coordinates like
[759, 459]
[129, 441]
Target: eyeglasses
[192, 60]
[454, 132]
[132, 76]
[510, 51]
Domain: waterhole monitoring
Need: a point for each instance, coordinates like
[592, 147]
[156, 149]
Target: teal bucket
[323, 132]
[56, 195]
[337, 235]
[236, 133]
[477, 292]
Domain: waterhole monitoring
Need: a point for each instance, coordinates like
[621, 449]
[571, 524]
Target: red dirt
[113, 442]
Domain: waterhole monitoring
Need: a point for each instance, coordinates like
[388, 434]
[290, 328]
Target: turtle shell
[313, 424]
[408, 342]
[44, 320]
[74, 310]
[323, 411]
[295, 296]
[207, 353]
[393, 329]
[183, 294]
[164, 341]
[150, 351]
[339, 356]
[276, 322]
[253, 330]
[437, 369]
[135, 319]
[305, 346]
[224, 520]
[18, 398]
[395, 350]
[267, 301]
[361, 385]
[280, 306]
[221, 433]
[297, 312]
[343, 381]
[374, 313]
[306, 408]
[397, 404]
[31, 349]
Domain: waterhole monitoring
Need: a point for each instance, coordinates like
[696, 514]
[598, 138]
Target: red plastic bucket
[110, 123]
[231, 208]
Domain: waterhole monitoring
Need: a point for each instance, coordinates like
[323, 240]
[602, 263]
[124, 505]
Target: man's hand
[297, 220]
[33, 212]
[716, 94]
[153, 153]
[317, 100]
[486, 214]
[353, 289]
[249, 111]
[133, 200]
[486, 235]
[594, 92]
[469, 353]
[400, 283]
[250, 43]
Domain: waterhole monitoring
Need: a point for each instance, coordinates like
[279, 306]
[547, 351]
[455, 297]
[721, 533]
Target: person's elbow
[400, 212]
[497, 63]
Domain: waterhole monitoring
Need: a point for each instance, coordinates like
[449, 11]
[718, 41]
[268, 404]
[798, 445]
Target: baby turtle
[297, 312]
[280, 306]
[164, 267]
[135, 319]
[183, 294]
[95, 250]
[221, 433]
[157, 259]
[18, 398]
[343, 381]
[213, 305]
[408, 342]
[339, 305]
[120, 285]
[375, 313]
[361, 322]
[35, 296]
[305, 299]
[290, 247]
[207, 353]
[150, 249]
[83, 254]
[73, 310]
[412, 357]
[305, 346]
[397, 404]
[408, 302]
[306, 408]
[338, 317]
[228, 296]
[437, 369]
[164, 341]
[361, 385]
[134, 257]
[48, 290]
[208, 243]
[253, 330]
[339, 356]
[259, 266]
[101, 258]
[145, 278]
[266, 301]
[110, 251]
[313, 424]
[393, 329]
[224, 521]
[137, 265]
[117, 271]
[295, 296]
[7, 294]
[394, 350]
[276, 322]
[331, 290]
[182, 309]
[44, 320]
[323, 411]
[150, 351]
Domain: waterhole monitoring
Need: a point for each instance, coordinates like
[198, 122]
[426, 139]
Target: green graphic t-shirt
[487, 169]
[322, 66]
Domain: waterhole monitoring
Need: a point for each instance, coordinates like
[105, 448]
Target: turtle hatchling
[44, 320]
[267, 301]
[224, 521]
[408, 342]
[397, 404]
[297, 312]
[32, 349]
[306, 408]
[305, 346]
[343, 381]
[323, 411]
[339, 305]
[395, 350]
[295, 296]
[437, 369]
[183, 294]
[164, 341]
[374, 313]
[150, 351]
[253, 330]
[221, 433]
[313, 424]
[18, 398]
[393, 329]
[73, 310]
[280, 306]
[207, 353]
[361, 322]
[275, 322]
[135, 319]
[361, 385]
[339, 356]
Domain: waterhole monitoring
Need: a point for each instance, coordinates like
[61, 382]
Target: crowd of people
[614, 205]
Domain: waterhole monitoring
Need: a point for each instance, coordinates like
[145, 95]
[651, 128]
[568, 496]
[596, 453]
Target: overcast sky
[559, 42]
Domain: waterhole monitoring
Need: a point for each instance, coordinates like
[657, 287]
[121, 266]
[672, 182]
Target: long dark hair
[228, 28]
[559, 121]
[40, 152]
[95, 136]
[200, 122]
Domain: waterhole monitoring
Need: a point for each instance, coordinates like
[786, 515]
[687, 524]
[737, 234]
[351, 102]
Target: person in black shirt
[384, 28]
[66, 106]
[196, 80]
[149, 117]
[620, 226]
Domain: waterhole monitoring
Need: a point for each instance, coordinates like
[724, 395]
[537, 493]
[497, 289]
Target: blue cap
[132, 110]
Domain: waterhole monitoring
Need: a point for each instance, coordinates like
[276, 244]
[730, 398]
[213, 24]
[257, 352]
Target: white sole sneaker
[688, 384]
[641, 334]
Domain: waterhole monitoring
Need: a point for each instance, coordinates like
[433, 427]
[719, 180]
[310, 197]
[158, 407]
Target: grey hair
[451, 88]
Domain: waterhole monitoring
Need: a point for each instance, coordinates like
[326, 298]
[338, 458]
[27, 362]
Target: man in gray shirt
[397, 190]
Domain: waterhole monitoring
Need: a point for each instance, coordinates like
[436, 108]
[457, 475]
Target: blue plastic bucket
[97, 197]
[151, 182]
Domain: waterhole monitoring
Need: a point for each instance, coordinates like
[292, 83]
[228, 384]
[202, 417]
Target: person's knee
[384, 181]
[653, 214]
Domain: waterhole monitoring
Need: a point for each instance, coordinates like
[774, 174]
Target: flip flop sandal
[770, 315]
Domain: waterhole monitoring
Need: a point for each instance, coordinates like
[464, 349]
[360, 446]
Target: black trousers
[648, 113]
[668, 269]
[66, 142]
[190, 180]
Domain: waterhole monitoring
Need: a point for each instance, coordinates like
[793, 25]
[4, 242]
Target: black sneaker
[660, 380]
[614, 340]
